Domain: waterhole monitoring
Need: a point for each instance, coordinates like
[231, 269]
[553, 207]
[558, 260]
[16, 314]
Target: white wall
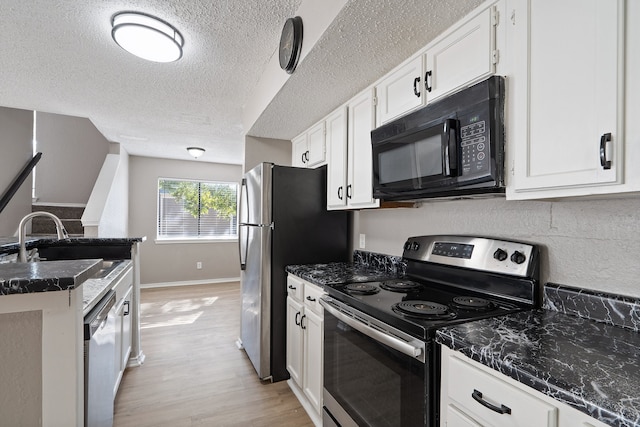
[16, 130]
[592, 244]
[72, 154]
[176, 262]
[258, 150]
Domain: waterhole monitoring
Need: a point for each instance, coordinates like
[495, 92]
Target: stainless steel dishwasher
[99, 359]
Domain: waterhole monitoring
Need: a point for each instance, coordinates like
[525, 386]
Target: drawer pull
[311, 299]
[477, 396]
[293, 288]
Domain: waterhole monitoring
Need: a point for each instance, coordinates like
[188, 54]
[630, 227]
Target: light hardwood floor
[194, 375]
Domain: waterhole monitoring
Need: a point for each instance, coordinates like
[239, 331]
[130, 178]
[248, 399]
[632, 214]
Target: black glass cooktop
[419, 308]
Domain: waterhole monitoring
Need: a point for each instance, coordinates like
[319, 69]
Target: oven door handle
[393, 342]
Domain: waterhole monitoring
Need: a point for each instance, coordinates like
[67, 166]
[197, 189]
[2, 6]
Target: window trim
[194, 239]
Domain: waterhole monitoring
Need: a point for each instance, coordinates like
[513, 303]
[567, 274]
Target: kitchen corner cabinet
[308, 149]
[463, 56]
[336, 125]
[305, 334]
[350, 167]
[567, 97]
[360, 123]
[475, 395]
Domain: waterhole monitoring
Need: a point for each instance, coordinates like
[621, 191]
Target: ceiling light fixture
[195, 151]
[147, 37]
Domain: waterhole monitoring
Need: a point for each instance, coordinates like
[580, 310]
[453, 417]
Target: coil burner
[424, 310]
[362, 288]
[401, 286]
[473, 303]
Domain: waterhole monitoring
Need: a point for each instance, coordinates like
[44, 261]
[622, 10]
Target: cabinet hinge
[513, 17]
[375, 100]
[513, 168]
[495, 17]
[495, 56]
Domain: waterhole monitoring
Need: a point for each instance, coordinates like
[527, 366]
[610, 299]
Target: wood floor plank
[194, 375]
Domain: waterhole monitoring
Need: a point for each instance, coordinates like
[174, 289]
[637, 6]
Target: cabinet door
[127, 319]
[294, 340]
[315, 145]
[360, 117]
[299, 151]
[337, 159]
[568, 94]
[400, 91]
[313, 358]
[466, 55]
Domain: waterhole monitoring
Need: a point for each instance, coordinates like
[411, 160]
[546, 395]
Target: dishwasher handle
[98, 316]
[388, 340]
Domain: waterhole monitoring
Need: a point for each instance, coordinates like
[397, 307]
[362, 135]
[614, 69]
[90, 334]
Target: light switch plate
[362, 241]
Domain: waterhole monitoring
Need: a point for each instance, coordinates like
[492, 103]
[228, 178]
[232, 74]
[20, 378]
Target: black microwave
[453, 147]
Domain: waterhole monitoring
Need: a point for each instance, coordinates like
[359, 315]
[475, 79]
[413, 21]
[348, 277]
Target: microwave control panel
[475, 156]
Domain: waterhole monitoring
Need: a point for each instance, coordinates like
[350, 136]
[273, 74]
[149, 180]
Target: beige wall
[63, 140]
[258, 150]
[162, 263]
[16, 130]
[592, 244]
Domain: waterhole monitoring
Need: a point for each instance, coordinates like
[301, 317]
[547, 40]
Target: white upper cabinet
[360, 166]
[567, 97]
[309, 147]
[464, 56]
[336, 125]
[400, 91]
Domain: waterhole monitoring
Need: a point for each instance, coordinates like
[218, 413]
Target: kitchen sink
[106, 268]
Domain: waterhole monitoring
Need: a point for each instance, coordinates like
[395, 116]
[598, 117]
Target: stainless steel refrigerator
[283, 220]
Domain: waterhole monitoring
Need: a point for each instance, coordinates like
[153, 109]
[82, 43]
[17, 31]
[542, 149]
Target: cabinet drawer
[312, 296]
[295, 288]
[521, 409]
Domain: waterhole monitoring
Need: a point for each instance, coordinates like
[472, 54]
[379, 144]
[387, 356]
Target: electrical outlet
[362, 241]
[199, 265]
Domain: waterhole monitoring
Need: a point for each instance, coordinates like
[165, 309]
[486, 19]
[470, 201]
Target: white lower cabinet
[475, 395]
[305, 334]
[124, 292]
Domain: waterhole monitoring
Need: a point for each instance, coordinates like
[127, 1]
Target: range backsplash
[388, 263]
[613, 309]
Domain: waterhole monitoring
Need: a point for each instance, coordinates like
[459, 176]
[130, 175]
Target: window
[197, 209]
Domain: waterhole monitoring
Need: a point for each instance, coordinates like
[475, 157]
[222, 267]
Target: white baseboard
[188, 283]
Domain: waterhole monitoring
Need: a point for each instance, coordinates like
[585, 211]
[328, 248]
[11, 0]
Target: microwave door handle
[450, 147]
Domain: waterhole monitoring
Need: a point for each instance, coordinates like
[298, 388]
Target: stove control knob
[407, 245]
[518, 257]
[500, 254]
[415, 246]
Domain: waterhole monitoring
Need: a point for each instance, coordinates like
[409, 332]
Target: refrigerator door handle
[243, 238]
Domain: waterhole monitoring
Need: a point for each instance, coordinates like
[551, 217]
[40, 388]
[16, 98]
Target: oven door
[374, 375]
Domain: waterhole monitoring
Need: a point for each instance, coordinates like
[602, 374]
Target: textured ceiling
[58, 57]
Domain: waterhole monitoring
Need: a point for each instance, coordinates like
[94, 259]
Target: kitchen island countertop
[48, 276]
[591, 365]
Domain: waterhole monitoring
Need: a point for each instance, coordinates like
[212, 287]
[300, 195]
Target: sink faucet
[60, 230]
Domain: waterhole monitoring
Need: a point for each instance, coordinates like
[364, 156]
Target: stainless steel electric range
[381, 362]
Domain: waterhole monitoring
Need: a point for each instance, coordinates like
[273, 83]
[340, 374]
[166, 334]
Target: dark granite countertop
[366, 267]
[337, 272]
[10, 244]
[30, 277]
[581, 349]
